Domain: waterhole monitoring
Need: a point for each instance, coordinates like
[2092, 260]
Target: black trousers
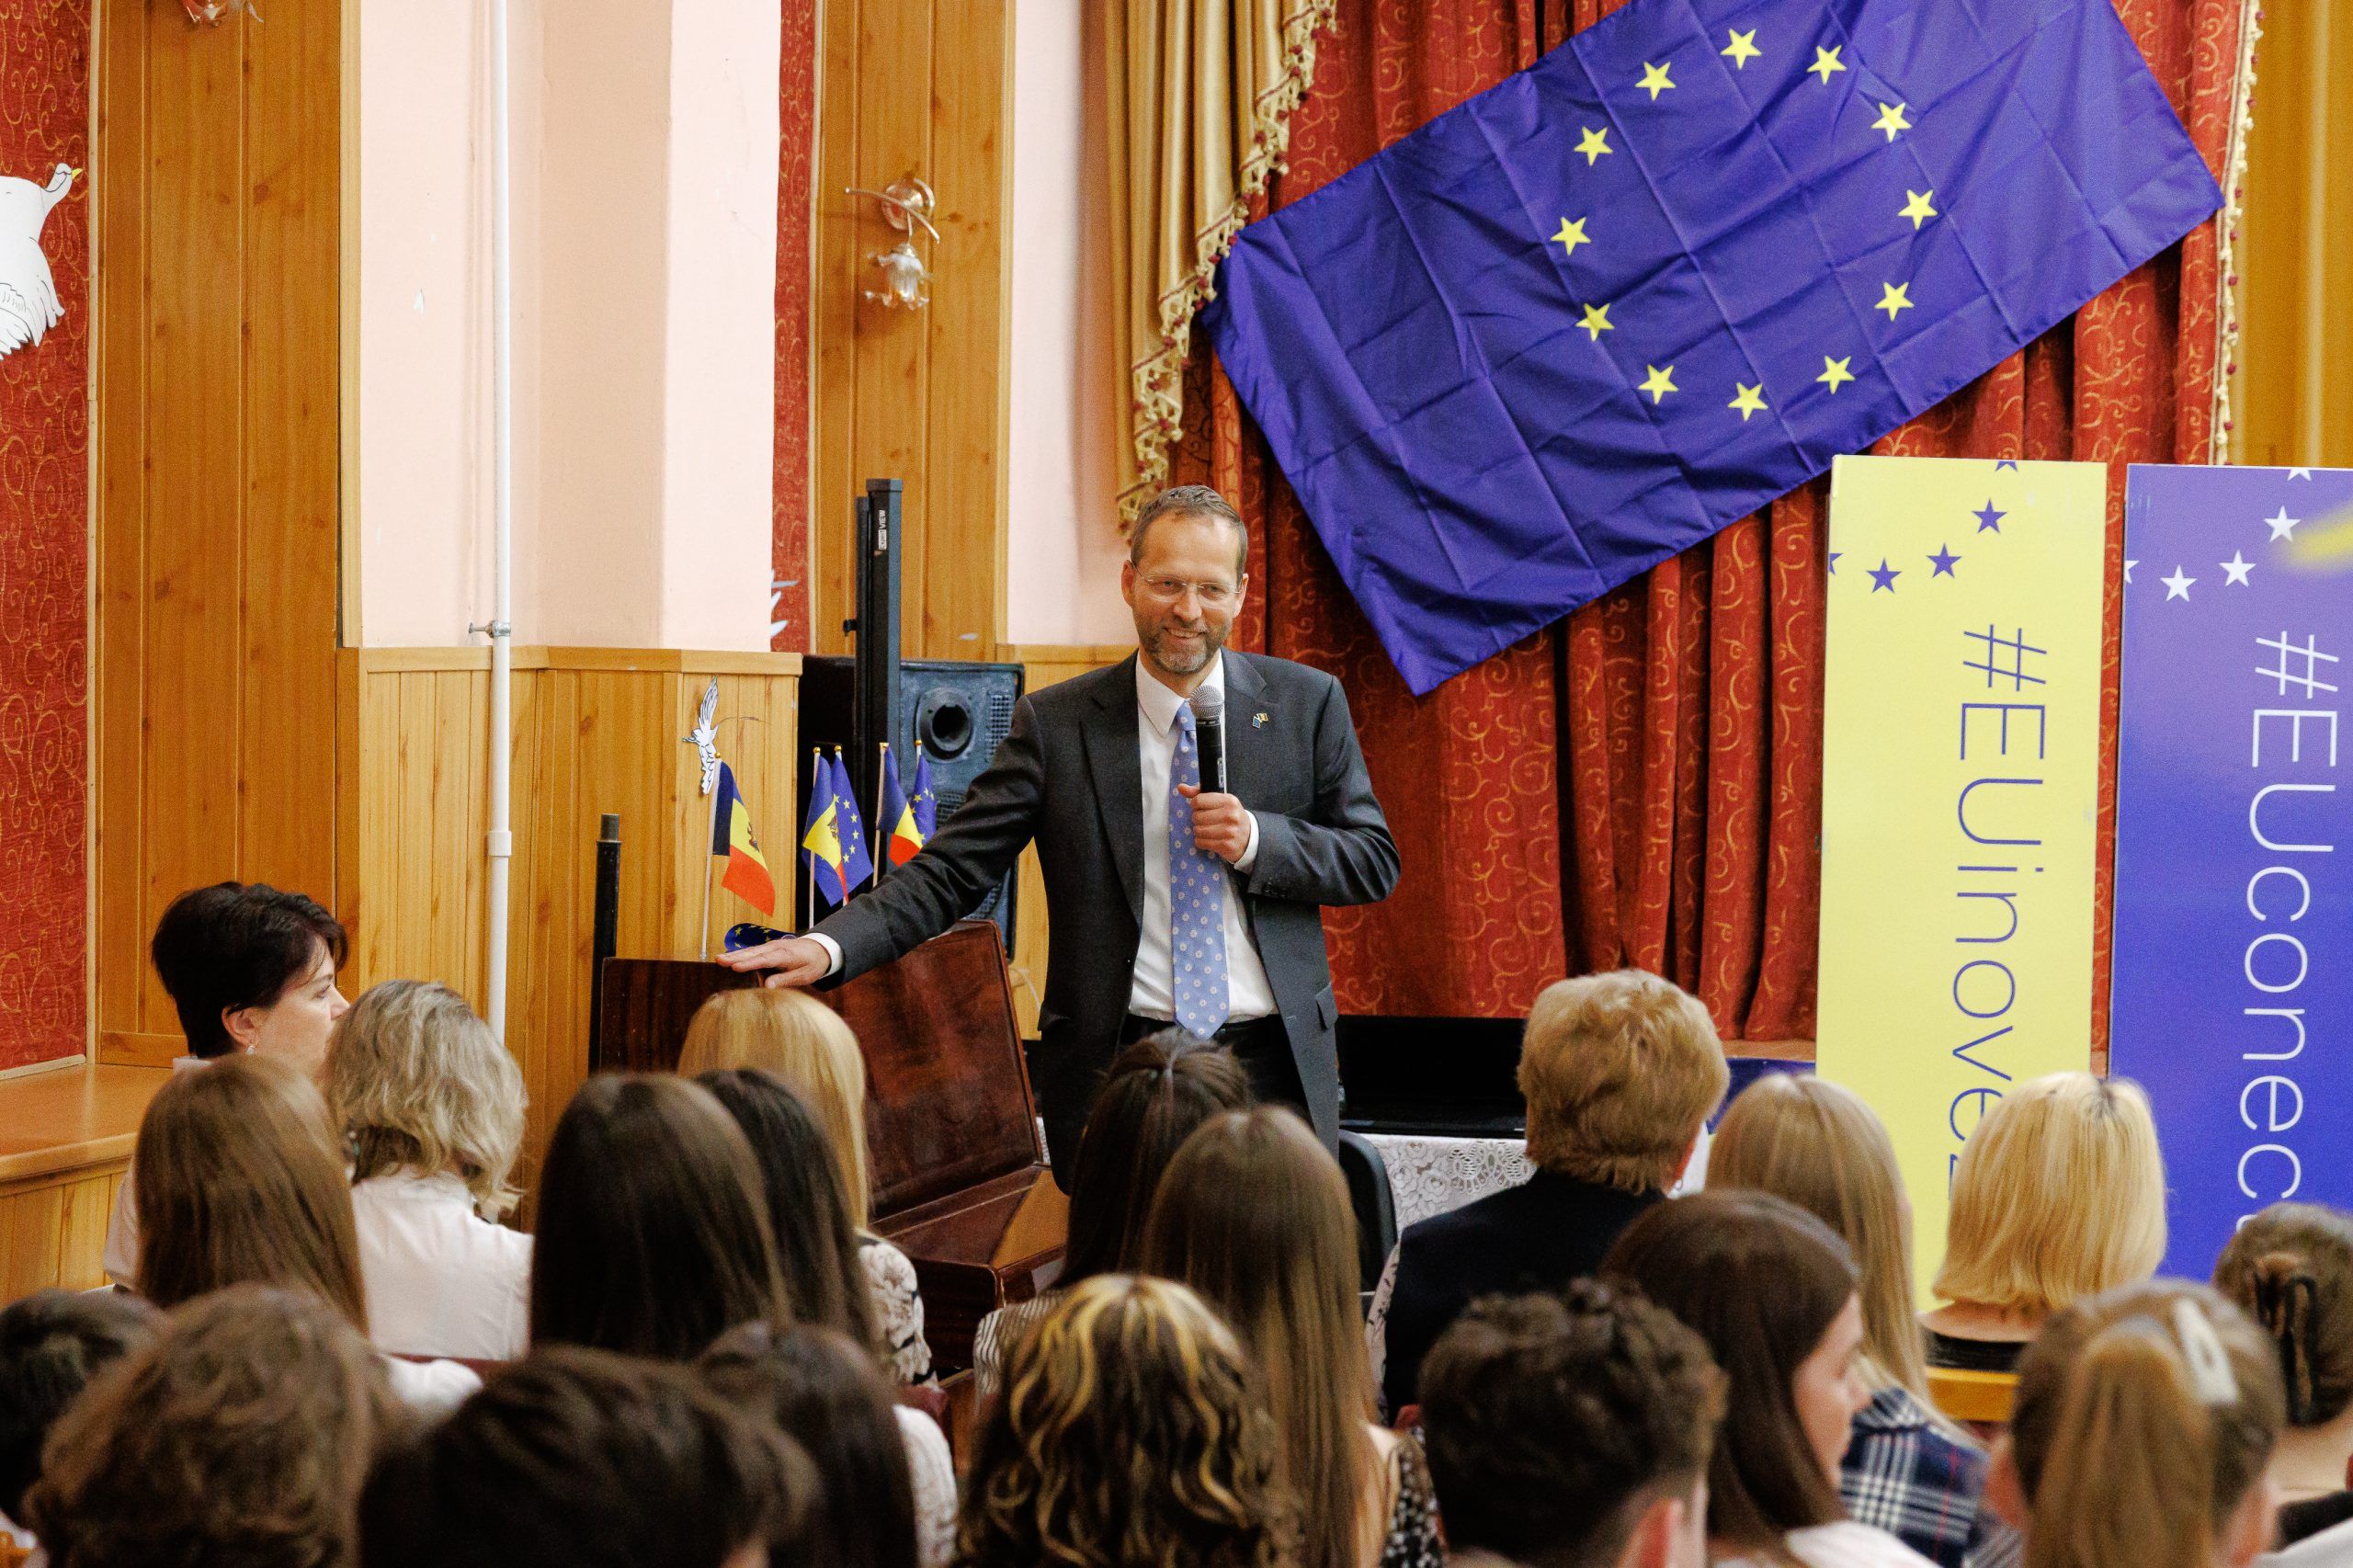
[1261, 1045]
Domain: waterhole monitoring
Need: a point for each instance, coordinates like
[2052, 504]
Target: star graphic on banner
[1917, 208]
[1893, 297]
[1573, 234]
[1654, 80]
[2001, 463]
[2300, 473]
[1943, 560]
[1658, 383]
[1835, 372]
[1834, 560]
[2282, 525]
[2177, 586]
[1743, 48]
[1594, 142]
[1884, 576]
[1826, 61]
[1988, 518]
[2237, 566]
[1596, 322]
[1890, 120]
[2128, 569]
[1748, 400]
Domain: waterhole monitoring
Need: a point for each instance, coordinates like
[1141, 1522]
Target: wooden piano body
[959, 1178]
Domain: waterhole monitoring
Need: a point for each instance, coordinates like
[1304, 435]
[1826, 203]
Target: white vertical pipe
[500, 845]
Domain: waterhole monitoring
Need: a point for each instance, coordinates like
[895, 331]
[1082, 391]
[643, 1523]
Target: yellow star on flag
[1890, 120]
[1835, 372]
[1596, 322]
[1743, 48]
[1917, 208]
[1594, 142]
[1826, 61]
[1658, 383]
[1893, 297]
[1748, 400]
[1573, 234]
[1655, 80]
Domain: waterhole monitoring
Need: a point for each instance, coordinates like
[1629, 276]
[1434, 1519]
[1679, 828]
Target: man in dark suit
[1164, 904]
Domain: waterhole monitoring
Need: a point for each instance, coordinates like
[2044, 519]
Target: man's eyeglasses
[1213, 595]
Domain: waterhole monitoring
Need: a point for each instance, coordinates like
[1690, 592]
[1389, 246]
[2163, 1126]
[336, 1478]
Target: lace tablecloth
[1429, 1174]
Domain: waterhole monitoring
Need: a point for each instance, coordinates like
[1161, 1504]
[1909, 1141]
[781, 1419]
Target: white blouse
[442, 1280]
[1844, 1544]
[933, 1471]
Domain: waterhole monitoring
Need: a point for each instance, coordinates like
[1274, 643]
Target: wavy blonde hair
[2060, 1193]
[1129, 1433]
[415, 1079]
[806, 1044]
[1619, 1072]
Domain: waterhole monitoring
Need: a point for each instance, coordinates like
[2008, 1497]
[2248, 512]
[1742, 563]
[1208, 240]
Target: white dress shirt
[441, 1280]
[1248, 994]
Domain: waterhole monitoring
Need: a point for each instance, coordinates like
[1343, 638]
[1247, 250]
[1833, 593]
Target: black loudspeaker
[958, 710]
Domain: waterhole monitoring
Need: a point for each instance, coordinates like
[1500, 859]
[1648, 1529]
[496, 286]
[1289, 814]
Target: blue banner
[2233, 978]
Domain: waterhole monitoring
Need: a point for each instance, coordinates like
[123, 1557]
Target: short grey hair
[1191, 501]
[416, 1078]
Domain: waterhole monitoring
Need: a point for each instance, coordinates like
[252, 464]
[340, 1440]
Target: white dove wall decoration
[28, 304]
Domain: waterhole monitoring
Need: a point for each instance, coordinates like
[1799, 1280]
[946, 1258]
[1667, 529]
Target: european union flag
[1585, 319]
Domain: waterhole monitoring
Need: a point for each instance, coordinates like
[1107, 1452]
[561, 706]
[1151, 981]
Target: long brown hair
[1156, 1092]
[652, 1236]
[1253, 1215]
[1129, 1436]
[238, 1178]
[1761, 1281]
[2125, 1462]
[2290, 1270]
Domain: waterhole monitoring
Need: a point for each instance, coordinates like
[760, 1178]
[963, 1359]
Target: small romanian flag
[820, 835]
[898, 816]
[748, 870]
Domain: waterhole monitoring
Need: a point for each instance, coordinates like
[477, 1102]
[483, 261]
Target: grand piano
[960, 1177]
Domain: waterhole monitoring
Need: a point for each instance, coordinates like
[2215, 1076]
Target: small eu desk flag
[857, 865]
[821, 836]
[1584, 320]
[748, 870]
[925, 800]
[897, 817]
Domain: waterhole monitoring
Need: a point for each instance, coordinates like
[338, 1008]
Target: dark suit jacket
[1537, 1236]
[1069, 776]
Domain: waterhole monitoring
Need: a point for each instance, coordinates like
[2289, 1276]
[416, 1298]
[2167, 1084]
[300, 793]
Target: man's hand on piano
[796, 960]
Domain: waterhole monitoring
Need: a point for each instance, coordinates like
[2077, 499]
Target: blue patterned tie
[1196, 900]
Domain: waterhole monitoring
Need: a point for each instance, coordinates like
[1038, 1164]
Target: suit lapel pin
[1257, 721]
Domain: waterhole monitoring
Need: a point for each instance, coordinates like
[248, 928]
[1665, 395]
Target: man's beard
[1182, 658]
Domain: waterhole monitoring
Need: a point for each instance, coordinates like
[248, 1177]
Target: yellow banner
[1961, 768]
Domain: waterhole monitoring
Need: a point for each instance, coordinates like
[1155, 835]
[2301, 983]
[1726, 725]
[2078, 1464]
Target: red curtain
[1642, 783]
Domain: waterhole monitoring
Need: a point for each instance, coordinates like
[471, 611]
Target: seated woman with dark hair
[51, 1343]
[1130, 1436]
[2289, 1269]
[1157, 1092]
[248, 969]
[240, 1437]
[652, 1236]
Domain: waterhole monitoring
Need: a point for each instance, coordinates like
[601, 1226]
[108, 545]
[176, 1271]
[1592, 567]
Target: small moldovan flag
[857, 865]
[924, 800]
[748, 870]
[906, 834]
[821, 838]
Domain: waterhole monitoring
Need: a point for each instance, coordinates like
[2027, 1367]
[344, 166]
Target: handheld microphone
[1209, 729]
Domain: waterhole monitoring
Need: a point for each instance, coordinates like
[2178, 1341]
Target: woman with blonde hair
[1129, 1436]
[431, 1108]
[807, 1044]
[2060, 1193]
[2290, 1270]
[2145, 1419]
[1253, 1215]
[1907, 1469]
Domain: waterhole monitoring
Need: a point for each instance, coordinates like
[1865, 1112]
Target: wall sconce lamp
[905, 279]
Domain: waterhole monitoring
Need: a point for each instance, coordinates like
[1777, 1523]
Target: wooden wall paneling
[89, 1204]
[552, 902]
[32, 1233]
[838, 260]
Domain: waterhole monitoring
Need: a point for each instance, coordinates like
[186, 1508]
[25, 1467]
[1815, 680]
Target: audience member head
[51, 1343]
[2059, 1194]
[806, 1044]
[817, 1241]
[1619, 1072]
[1129, 1433]
[1253, 1216]
[240, 1437]
[1816, 1143]
[2143, 1420]
[417, 1082]
[1573, 1431]
[825, 1392]
[238, 1179]
[652, 1236]
[250, 968]
[1772, 1291]
[2290, 1270]
[591, 1460]
[1158, 1091]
